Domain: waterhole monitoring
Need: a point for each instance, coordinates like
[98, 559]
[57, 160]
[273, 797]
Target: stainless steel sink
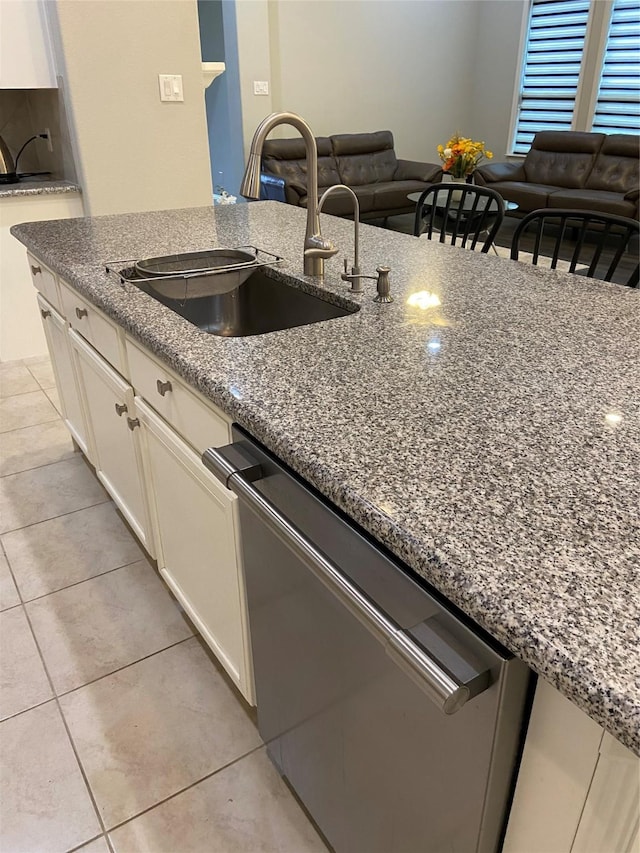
[260, 304]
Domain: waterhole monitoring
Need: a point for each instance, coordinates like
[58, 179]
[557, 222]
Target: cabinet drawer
[44, 281]
[93, 326]
[197, 421]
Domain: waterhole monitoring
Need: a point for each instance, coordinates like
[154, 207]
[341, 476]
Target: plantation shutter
[618, 104]
[551, 71]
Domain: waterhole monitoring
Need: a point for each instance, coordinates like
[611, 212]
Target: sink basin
[261, 304]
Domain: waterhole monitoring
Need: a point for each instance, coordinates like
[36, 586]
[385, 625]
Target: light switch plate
[260, 87]
[170, 87]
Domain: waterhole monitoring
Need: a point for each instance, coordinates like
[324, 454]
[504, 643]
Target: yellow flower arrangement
[461, 156]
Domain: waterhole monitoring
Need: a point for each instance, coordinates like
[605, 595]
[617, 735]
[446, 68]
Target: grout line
[121, 668]
[90, 841]
[186, 788]
[53, 517]
[64, 723]
[39, 423]
[84, 580]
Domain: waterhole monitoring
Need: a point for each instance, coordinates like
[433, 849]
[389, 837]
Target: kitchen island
[486, 431]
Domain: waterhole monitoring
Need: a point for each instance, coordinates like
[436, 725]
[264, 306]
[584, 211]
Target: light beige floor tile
[26, 410]
[97, 846]
[245, 807]
[31, 447]
[56, 553]
[153, 728]
[44, 803]
[42, 493]
[98, 626]
[54, 397]
[42, 372]
[8, 593]
[23, 681]
[15, 378]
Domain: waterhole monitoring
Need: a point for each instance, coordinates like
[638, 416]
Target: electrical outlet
[260, 87]
[46, 132]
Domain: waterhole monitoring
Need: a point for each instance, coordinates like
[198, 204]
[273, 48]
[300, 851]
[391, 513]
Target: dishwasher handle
[447, 693]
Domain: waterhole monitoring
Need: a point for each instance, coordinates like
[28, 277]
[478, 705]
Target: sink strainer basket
[191, 275]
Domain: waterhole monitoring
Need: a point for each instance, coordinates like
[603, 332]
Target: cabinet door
[55, 330]
[26, 58]
[195, 524]
[114, 435]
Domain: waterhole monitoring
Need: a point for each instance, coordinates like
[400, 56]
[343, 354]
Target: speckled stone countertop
[37, 186]
[491, 440]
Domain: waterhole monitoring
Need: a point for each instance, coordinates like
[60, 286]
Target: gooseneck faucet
[316, 248]
[354, 276]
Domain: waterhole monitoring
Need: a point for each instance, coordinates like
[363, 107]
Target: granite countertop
[37, 186]
[491, 439]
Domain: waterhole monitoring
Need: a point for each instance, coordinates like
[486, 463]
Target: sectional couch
[365, 162]
[571, 169]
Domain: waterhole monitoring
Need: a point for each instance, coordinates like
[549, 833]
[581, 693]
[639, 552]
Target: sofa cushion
[341, 204]
[562, 158]
[605, 202]
[617, 166]
[364, 158]
[394, 195]
[286, 159]
[526, 196]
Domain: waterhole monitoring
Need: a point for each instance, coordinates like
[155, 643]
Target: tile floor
[119, 732]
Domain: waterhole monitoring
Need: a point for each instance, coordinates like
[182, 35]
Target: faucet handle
[382, 285]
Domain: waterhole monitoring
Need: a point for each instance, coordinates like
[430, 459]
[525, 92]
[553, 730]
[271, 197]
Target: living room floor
[119, 731]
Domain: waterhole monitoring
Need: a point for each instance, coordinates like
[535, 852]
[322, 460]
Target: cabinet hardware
[163, 387]
[133, 423]
[35, 270]
[81, 312]
[121, 408]
[45, 313]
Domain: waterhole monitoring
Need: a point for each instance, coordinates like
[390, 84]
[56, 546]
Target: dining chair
[593, 244]
[462, 214]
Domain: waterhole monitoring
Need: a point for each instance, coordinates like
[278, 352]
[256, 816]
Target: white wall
[421, 68]
[133, 151]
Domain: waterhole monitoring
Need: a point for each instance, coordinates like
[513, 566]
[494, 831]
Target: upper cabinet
[26, 56]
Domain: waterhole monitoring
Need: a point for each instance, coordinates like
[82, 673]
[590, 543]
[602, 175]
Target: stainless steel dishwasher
[396, 723]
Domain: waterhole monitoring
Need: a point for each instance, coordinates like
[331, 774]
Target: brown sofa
[365, 162]
[574, 170]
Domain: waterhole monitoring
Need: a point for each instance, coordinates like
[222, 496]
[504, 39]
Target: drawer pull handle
[163, 387]
[133, 423]
[35, 270]
[81, 312]
[121, 408]
[45, 313]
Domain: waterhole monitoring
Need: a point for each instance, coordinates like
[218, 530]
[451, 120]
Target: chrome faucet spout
[354, 276]
[316, 248]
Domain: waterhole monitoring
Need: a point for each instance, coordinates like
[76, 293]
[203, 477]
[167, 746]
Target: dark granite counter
[37, 186]
[488, 432]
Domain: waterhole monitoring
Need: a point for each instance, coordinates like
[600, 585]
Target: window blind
[551, 68]
[618, 104]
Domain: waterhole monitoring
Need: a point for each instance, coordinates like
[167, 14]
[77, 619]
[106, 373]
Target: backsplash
[25, 112]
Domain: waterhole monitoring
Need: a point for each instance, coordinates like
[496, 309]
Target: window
[618, 105]
[580, 69]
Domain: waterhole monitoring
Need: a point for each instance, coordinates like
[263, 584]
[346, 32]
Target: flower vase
[456, 195]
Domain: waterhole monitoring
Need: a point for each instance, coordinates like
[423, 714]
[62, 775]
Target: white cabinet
[56, 333]
[94, 327]
[195, 524]
[578, 789]
[114, 435]
[21, 334]
[26, 57]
